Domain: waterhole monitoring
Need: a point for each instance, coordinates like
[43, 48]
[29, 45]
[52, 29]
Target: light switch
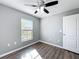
[60, 31]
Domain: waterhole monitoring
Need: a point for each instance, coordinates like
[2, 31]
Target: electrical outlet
[8, 45]
[15, 43]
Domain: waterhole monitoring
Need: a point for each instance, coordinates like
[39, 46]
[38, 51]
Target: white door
[69, 33]
[77, 33]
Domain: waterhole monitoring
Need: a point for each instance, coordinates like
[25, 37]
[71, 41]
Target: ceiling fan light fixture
[42, 8]
[38, 9]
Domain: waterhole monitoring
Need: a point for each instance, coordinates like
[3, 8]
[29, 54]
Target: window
[26, 30]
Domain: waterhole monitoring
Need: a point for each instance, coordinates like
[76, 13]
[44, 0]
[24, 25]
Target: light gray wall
[10, 29]
[52, 27]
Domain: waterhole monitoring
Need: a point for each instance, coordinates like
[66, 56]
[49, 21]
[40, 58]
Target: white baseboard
[58, 46]
[30, 45]
[17, 49]
[51, 44]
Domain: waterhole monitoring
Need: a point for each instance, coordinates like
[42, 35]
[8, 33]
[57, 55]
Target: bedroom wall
[52, 27]
[10, 29]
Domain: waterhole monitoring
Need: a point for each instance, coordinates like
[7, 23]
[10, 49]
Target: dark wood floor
[42, 51]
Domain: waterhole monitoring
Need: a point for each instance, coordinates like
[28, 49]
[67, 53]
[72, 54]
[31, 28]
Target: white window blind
[26, 30]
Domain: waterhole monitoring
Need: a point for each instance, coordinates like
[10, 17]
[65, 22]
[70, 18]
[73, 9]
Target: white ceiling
[64, 5]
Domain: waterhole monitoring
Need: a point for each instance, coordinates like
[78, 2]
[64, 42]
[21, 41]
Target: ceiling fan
[41, 5]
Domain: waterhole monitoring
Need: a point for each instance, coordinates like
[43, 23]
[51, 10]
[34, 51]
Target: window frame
[23, 40]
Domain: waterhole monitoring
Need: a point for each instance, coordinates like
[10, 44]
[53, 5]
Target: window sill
[24, 40]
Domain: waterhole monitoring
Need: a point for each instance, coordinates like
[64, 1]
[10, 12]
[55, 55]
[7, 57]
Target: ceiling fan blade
[35, 11]
[45, 10]
[30, 5]
[51, 3]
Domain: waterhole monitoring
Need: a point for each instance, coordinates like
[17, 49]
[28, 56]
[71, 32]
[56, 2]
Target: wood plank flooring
[42, 51]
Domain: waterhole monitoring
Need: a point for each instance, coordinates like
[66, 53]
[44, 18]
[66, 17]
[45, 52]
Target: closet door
[77, 33]
[69, 33]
